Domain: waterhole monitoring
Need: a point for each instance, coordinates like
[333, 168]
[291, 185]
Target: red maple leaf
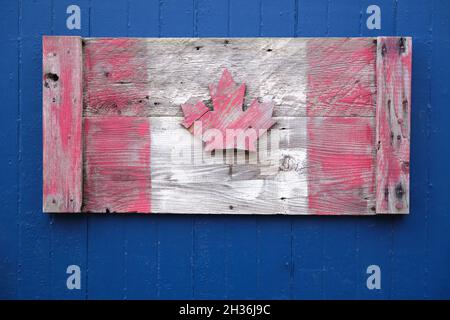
[228, 126]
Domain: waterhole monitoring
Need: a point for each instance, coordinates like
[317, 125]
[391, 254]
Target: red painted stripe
[117, 164]
[341, 153]
[341, 78]
[62, 112]
[115, 76]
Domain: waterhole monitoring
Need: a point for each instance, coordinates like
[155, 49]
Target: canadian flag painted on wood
[237, 126]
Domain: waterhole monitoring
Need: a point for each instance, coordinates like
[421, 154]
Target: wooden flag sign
[236, 126]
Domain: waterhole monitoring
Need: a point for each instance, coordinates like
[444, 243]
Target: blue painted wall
[125, 257]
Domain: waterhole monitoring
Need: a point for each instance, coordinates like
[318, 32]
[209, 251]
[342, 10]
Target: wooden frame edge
[62, 109]
[392, 121]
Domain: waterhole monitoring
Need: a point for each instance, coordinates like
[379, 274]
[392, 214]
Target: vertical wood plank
[68, 233]
[393, 124]
[62, 109]
[374, 236]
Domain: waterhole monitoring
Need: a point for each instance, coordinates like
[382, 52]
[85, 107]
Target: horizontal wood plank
[62, 124]
[153, 77]
[187, 179]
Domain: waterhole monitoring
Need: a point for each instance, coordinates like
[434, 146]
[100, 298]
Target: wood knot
[401, 45]
[52, 76]
[383, 50]
[399, 192]
[405, 166]
[288, 163]
[405, 104]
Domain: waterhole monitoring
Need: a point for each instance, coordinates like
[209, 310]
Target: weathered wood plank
[338, 100]
[153, 77]
[271, 181]
[341, 155]
[62, 124]
[117, 165]
[393, 115]
[341, 77]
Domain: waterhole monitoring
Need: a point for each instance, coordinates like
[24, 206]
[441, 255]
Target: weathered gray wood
[277, 184]
[170, 72]
[394, 58]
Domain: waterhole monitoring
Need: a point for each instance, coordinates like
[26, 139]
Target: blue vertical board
[244, 20]
[339, 243]
[68, 234]
[175, 270]
[143, 18]
[34, 240]
[210, 256]
[410, 233]
[9, 82]
[141, 236]
[307, 241]
[106, 233]
[437, 252]
[241, 234]
[312, 18]
[374, 237]
[275, 267]
[344, 18]
[139, 257]
[211, 18]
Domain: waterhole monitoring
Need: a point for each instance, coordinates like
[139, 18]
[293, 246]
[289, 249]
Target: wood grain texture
[320, 158]
[341, 77]
[341, 157]
[188, 179]
[394, 56]
[159, 75]
[62, 124]
[117, 165]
